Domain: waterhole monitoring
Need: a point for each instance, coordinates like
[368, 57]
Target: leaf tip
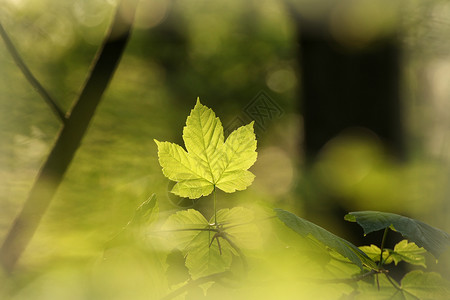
[349, 217]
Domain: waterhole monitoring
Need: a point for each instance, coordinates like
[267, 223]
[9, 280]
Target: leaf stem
[193, 283]
[347, 280]
[382, 246]
[215, 211]
[394, 284]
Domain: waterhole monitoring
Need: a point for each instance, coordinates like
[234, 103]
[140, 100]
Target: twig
[30, 77]
[348, 280]
[70, 136]
[193, 283]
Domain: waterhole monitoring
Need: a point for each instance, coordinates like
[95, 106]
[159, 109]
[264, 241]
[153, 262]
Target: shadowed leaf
[434, 240]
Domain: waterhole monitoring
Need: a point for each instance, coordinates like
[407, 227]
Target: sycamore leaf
[195, 237]
[209, 161]
[204, 258]
[424, 235]
[374, 252]
[415, 285]
[408, 252]
[426, 286]
[237, 223]
[338, 244]
[184, 226]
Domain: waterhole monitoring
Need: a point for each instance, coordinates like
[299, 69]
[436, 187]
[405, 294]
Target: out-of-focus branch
[30, 77]
[70, 136]
[193, 283]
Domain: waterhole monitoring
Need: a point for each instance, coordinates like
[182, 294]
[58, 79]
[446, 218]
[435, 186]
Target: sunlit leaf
[434, 240]
[209, 161]
[343, 247]
[374, 252]
[426, 286]
[415, 285]
[184, 226]
[384, 289]
[204, 258]
[408, 252]
[238, 225]
[205, 252]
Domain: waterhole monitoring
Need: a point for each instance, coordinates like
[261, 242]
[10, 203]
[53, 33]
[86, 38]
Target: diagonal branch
[70, 136]
[30, 77]
[193, 283]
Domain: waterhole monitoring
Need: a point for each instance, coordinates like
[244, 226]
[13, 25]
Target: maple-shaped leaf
[209, 161]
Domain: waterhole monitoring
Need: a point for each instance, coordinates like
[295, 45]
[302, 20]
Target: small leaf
[147, 212]
[408, 252]
[184, 226]
[209, 161]
[434, 240]
[204, 258]
[374, 253]
[343, 247]
[237, 223]
[134, 231]
[196, 238]
[415, 285]
[426, 286]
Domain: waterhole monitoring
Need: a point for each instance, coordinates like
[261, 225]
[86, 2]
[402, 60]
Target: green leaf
[415, 285]
[147, 212]
[408, 252]
[374, 252]
[204, 258]
[135, 230]
[195, 237]
[237, 223]
[184, 226]
[426, 286]
[341, 246]
[209, 161]
[424, 235]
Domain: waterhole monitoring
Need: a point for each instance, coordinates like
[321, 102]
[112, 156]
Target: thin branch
[186, 229]
[193, 283]
[394, 284]
[30, 77]
[52, 172]
[347, 280]
[248, 223]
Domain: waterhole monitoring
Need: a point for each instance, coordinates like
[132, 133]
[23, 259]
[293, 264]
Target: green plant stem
[394, 284]
[346, 280]
[30, 77]
[215, 210]
[192, 283]
[383, 240]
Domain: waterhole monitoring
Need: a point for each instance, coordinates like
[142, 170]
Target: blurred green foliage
[224, 52]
